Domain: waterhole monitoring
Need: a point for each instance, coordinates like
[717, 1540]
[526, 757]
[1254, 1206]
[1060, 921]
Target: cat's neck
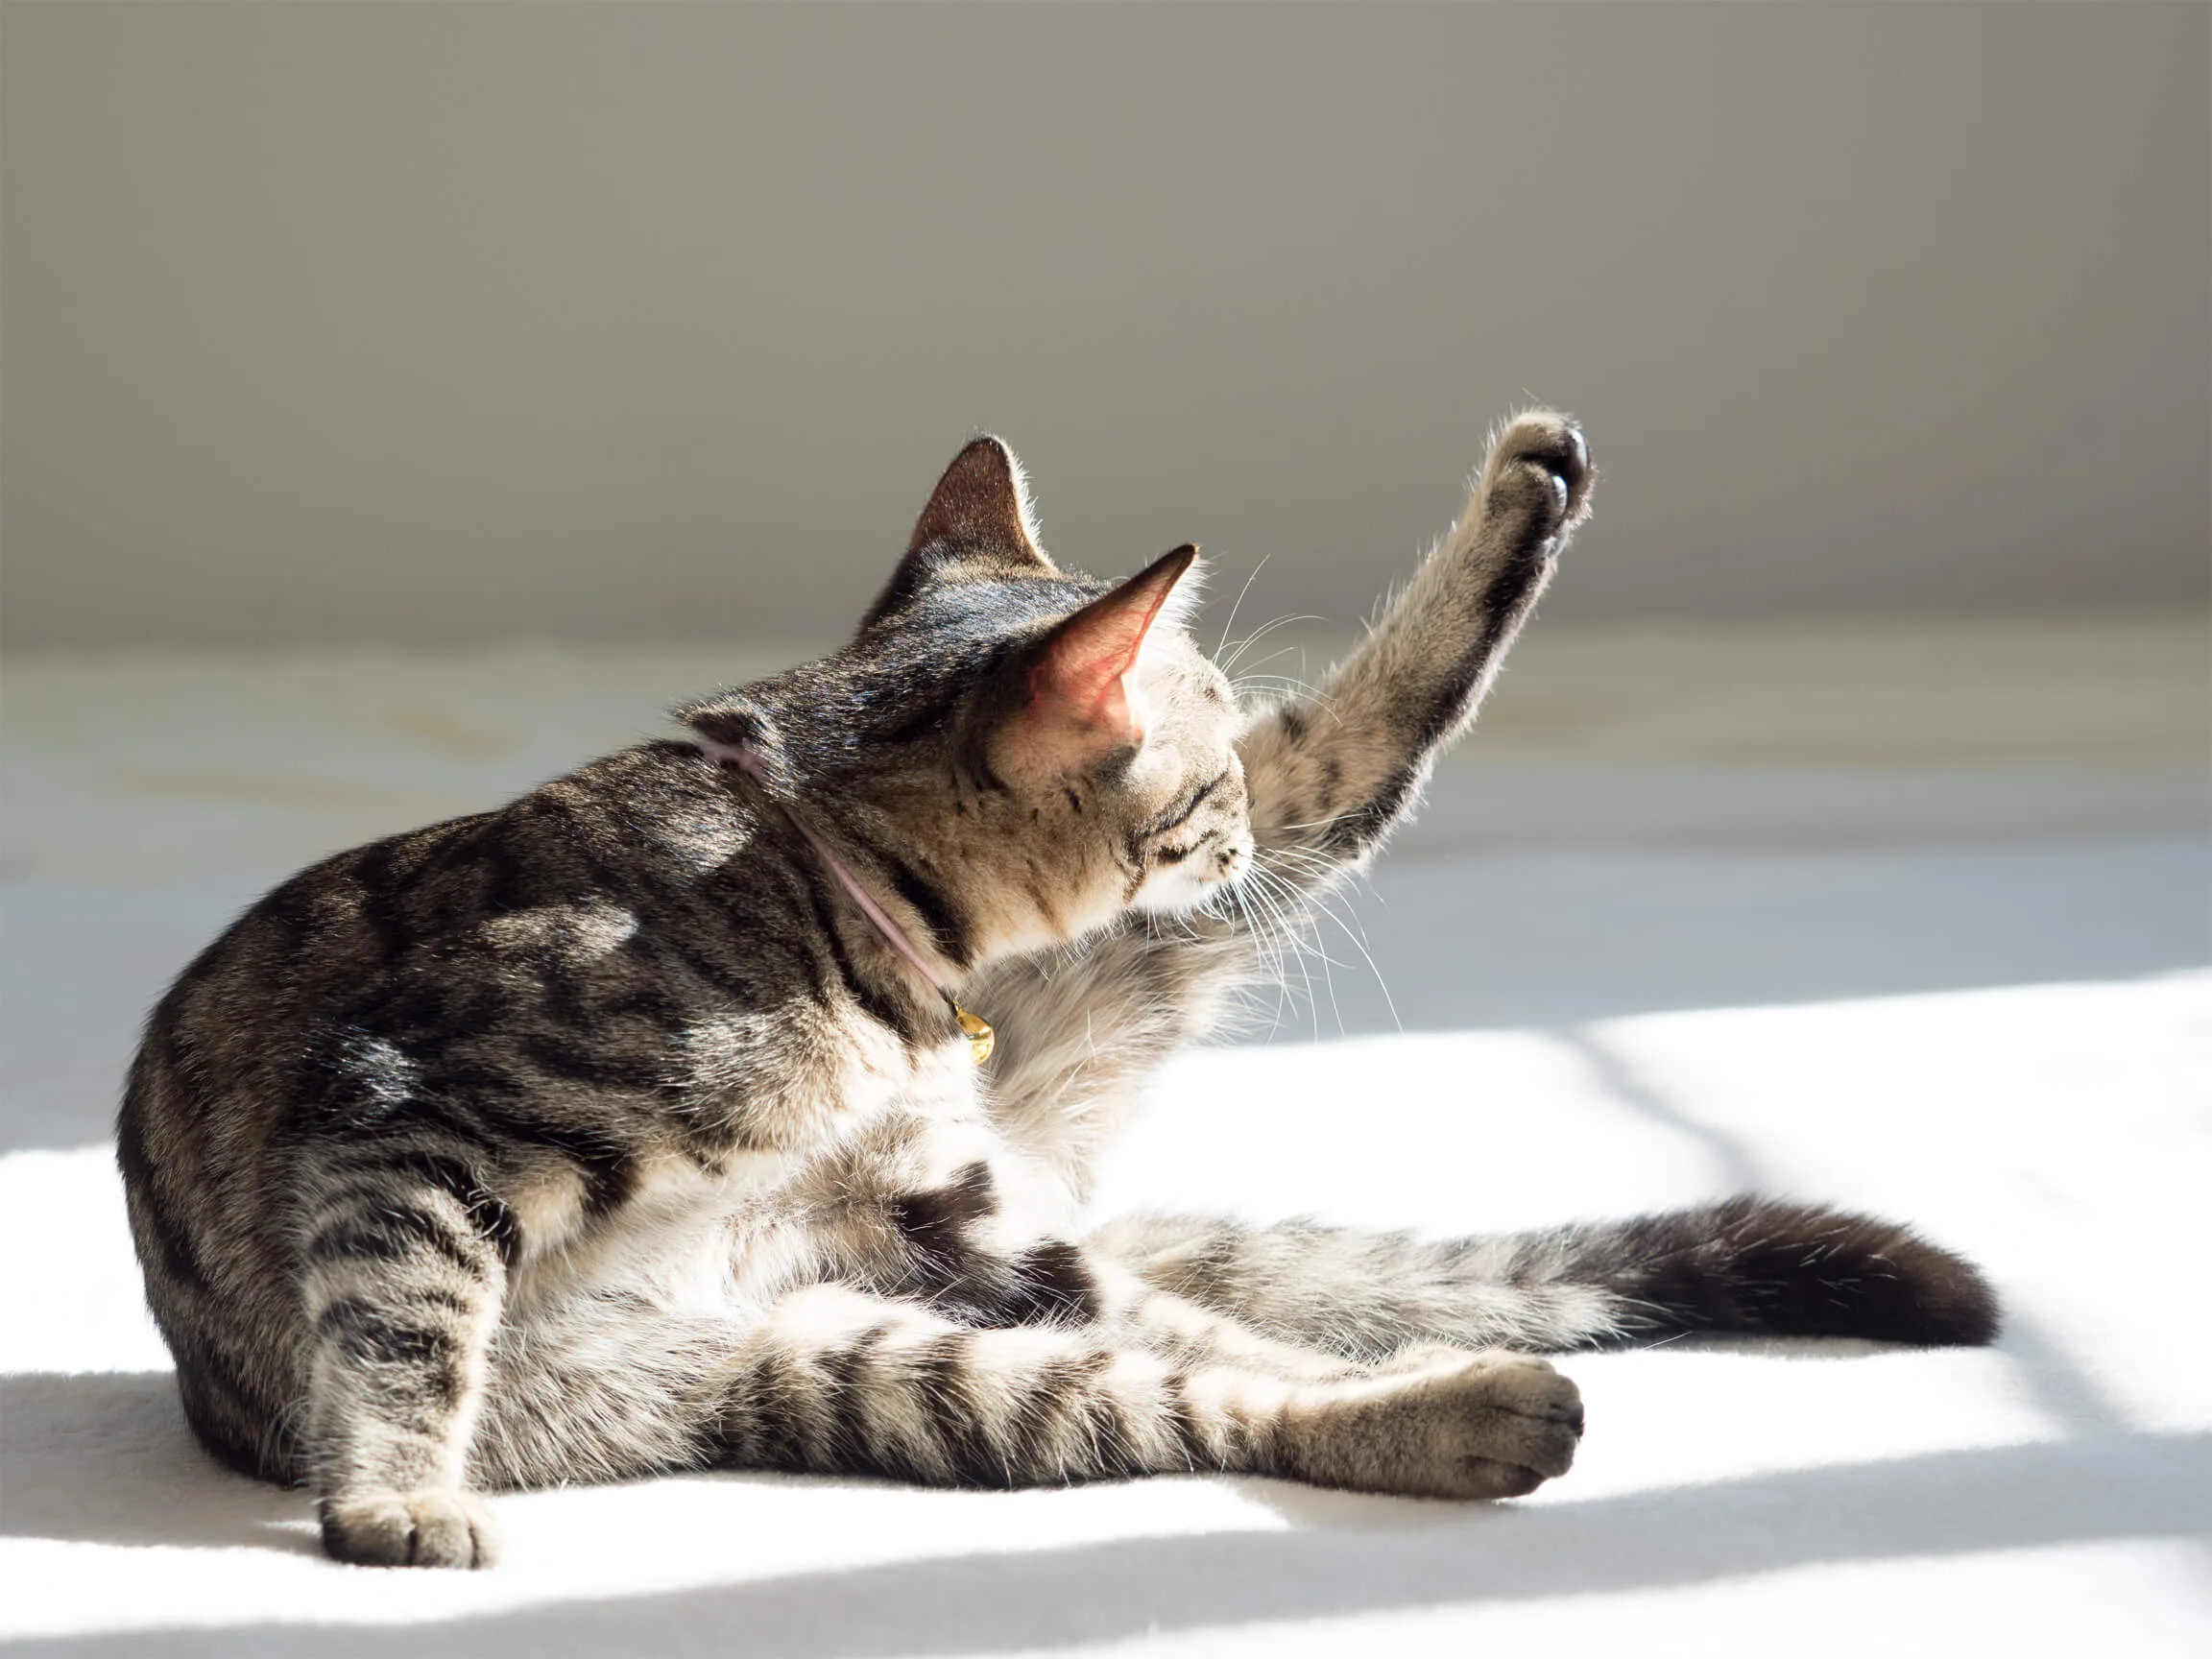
[744, 759]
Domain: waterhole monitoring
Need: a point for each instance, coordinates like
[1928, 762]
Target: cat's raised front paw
[1537, 484]
[432, 1526]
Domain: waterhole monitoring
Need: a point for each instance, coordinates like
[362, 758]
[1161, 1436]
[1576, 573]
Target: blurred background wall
[601, 323]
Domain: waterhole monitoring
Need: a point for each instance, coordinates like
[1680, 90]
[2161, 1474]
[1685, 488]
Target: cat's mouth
[1193, 881]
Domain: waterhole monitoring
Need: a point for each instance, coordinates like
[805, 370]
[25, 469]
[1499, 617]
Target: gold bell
[981, 1037]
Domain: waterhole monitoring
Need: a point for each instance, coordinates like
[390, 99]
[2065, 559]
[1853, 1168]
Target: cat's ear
[979, 523]
[981, 506]
[1082, 683]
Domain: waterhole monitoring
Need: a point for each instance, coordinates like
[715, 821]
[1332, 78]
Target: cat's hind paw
[1517, 1424]
[1478, 1426]
[432, 1526]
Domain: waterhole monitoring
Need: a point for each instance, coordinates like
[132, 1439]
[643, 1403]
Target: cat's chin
[1173, 895]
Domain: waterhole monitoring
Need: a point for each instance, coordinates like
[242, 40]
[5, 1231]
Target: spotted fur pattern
[603, 1134]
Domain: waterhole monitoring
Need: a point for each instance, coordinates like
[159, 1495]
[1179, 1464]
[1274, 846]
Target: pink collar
[746, 758]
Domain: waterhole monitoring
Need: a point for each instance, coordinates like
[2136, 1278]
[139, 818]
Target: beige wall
[427, 324]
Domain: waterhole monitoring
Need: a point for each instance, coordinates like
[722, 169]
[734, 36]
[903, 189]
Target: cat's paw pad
[429, 1528]
[1538, 479]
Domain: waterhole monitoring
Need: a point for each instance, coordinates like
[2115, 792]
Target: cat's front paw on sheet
[1537, 484]
[432, 1526]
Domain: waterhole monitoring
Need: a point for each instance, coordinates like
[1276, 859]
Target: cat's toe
[427, 1528]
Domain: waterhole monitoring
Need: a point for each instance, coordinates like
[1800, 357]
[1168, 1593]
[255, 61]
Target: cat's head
[1032, 753]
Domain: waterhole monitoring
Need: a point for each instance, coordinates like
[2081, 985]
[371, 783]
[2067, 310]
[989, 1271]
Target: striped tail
[1755, 1267]
[1743, 1266]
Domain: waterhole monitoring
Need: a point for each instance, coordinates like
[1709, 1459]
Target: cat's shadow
[104, 1457]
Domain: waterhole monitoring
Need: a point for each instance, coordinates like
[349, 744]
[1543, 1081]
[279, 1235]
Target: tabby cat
[631, 1127]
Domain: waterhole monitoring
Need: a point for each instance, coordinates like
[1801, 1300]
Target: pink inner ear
[1089, 671]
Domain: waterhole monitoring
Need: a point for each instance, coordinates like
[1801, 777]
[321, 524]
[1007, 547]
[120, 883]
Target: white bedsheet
[2010, 1046]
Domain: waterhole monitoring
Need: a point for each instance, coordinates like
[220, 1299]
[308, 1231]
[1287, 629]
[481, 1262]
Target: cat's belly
[690, 1243]
[674, 1243]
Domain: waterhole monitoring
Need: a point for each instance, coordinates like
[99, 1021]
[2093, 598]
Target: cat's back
[492, 888]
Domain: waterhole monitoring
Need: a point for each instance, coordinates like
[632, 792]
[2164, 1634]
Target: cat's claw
[1537, 481]
[431, 1527]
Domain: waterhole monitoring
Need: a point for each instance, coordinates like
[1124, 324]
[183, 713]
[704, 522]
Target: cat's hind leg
[839, 1382]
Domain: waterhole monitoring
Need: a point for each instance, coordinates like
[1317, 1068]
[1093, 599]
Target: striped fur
[603, 1134]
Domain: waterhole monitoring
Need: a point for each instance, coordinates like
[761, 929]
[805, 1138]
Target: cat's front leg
[1330, 775]
[1332, 772]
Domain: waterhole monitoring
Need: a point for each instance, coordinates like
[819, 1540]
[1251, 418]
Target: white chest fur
[693, 1238]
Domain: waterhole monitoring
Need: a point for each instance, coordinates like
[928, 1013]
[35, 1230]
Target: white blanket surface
[2005, 1039]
